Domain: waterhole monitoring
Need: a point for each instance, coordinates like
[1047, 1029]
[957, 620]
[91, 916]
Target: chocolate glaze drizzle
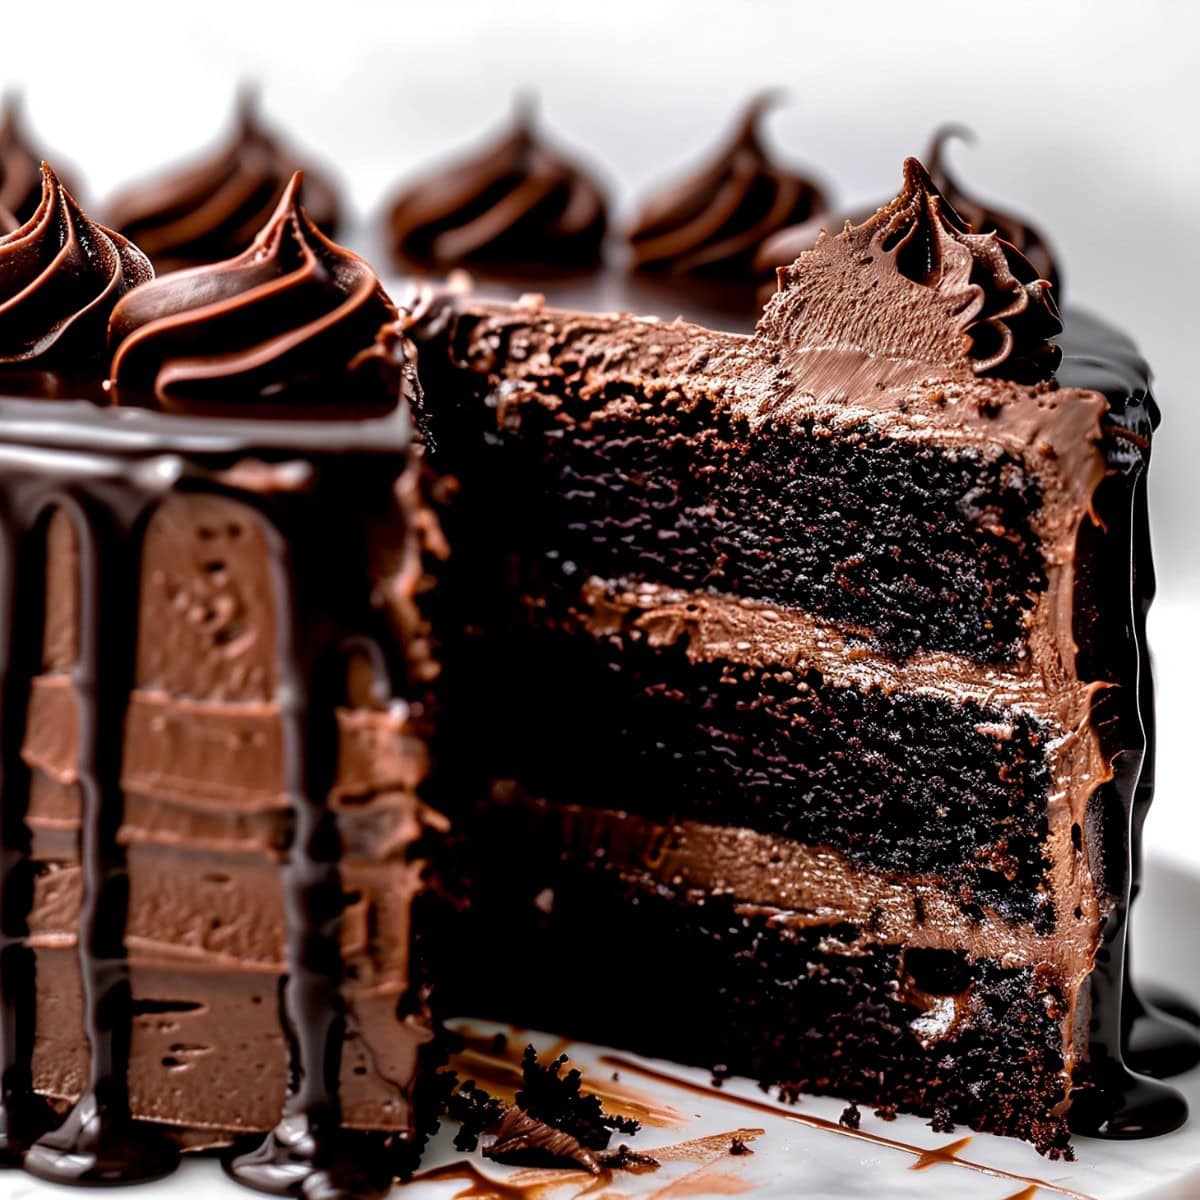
[60, 277]
[212, 210]
[516, 206]
[715, 221]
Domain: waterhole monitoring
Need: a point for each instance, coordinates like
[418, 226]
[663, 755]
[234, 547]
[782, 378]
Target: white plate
[793, 1158]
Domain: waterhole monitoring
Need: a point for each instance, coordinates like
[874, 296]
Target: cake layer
[817, 481]
[588, 949]
[692, 706]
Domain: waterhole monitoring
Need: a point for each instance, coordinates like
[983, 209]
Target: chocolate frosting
[715, 221]
[994, 302]
[295, 320]
[212, 210]
[983, 218]
[515, 206]
[20, 166]
[60, 276]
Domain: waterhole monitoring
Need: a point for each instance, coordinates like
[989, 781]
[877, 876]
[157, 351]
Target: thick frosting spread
[60, 276]
[983, 218]
[715, 221]
[294, 320]
[518, 204]
[995, 310]
[212, 210]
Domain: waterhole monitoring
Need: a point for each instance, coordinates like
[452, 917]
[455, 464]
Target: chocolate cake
[806, 669]
[788, 689]
[216, 706]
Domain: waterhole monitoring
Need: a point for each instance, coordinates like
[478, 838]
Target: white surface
[1084, 109]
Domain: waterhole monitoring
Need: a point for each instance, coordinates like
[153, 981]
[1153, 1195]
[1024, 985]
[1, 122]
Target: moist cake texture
[813, 690]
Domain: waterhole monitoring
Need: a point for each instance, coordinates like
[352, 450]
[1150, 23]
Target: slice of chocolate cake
[216, 684]
[803, 668]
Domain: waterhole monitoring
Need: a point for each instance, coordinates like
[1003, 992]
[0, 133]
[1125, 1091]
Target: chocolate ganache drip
[212, 210]
[983, 218]
[516, 206]
[715, 221]
[60, 277]
[992, 309]
[294, 321]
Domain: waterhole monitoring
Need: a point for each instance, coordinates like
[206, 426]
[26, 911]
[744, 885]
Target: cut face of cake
[805, 670]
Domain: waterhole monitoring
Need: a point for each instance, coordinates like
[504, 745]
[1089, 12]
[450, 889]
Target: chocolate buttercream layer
[862, 487]
[714, 222]
[213, 210]
[61, 275]
[518, 205]
[704, 707]
[741, 988]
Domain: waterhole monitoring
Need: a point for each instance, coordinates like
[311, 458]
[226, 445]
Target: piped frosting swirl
[983, 218]
[60, 277]
[20, 164]
[517, 206]
[715, 221]
[913, 281]
[211, 210]
[295, 322]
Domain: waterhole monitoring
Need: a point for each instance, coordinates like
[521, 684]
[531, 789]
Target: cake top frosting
[293, 325]
[212, 209]
[913, 281]
[985, 218]
[714, 221]
[517, 205]
[60, 277]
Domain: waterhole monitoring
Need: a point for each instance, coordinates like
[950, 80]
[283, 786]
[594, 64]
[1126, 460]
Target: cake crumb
[738, 1146]
[851, 1118]
[886, 1112]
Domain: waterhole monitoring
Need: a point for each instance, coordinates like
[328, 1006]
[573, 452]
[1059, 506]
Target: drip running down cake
[216, 682]
[805, 666]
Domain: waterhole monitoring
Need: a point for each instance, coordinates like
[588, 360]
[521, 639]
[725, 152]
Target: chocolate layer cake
[803, 667]
[216, 685]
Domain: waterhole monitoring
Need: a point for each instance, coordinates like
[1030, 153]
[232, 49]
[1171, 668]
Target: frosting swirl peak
[983, 218]
[713, 222]
[20, 164]
[212, 210]
[977, 300]
[294, 321]
[60, 277]
[517, 205]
